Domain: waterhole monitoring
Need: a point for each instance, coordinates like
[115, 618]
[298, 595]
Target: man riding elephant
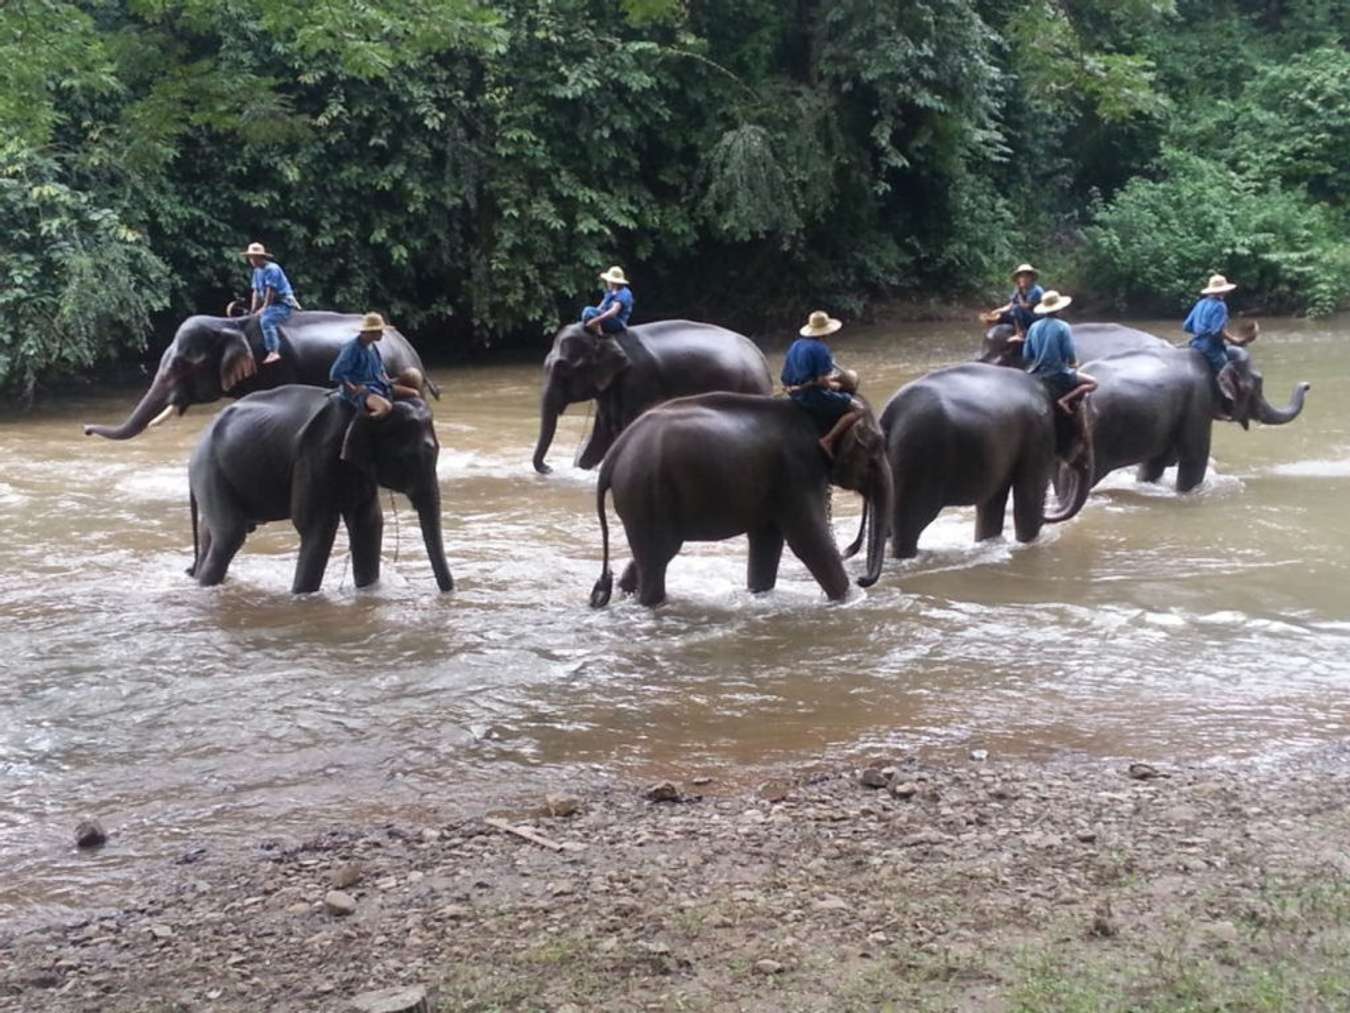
[1207, 324]
[273, 299]
[615, 309]
[1020, 309]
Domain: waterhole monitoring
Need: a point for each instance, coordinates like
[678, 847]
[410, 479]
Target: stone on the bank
[562, 805]
[90, 834]
[339, 903]
[979, 755]
[904, 790]
[665, 791]
[1142, 771]
[160, 931]
[348, 875]
[393, 1000]
[768, 967]
[871, 777]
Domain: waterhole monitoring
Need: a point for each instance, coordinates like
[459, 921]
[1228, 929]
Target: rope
[397, 534]
[585, 432]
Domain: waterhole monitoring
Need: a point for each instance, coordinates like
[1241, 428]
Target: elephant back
[688, 357]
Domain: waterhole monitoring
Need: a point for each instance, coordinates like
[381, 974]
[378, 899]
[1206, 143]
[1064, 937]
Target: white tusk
[161, 417]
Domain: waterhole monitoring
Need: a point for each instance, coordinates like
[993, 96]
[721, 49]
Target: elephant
[968, 435]
[302, 452]
[214, 357]
[714, 466]
[1157, 407]
[629, 372]
[1091, 341]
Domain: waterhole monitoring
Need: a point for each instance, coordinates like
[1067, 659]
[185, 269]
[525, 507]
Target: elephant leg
[316, 545]
[989, 514]
[218, 548]
[365, 535]
[1193, 456]
[1152, 469]
[629, 581]
[1028, 494]
[651, 563]
[766, 549]
[812, 541]
[916, 507]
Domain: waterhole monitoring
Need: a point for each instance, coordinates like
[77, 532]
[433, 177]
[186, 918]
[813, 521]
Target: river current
[1210, 626]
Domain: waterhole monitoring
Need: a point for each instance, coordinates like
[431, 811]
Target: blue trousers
[268, 319]
[610, 326]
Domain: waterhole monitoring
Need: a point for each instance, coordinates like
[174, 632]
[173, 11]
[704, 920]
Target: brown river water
[1211, 626]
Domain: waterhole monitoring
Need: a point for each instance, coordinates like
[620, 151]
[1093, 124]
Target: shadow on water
[1213, 625]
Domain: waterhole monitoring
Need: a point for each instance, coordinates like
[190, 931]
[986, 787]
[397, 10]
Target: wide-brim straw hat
[1025, 269]
[257, 250]
[614, 276]
[1052, 302]
[1218, 285]
[819, 324]
[373, 323]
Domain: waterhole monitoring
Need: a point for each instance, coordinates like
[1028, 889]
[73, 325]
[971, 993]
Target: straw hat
[1026, 269]
[373, 323]
[257, 250]
[614, 276]
[1052, 302]
[1218, 285]
[820, 324]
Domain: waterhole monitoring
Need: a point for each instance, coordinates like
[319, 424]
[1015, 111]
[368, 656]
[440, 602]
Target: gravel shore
[901, 883]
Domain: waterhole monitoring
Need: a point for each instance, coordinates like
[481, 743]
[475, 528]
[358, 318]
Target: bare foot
[1065, 406]
[825, 448]
[271, 358]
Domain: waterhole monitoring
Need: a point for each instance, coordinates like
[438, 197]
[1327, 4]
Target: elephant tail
[604, 587]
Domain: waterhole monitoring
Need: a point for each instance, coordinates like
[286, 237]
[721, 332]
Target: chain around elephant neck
[394, 508]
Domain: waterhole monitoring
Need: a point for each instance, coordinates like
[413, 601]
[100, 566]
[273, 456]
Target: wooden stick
[533, 836]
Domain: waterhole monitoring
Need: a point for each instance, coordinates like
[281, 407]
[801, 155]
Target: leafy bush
[76, 281]
[1154, 244]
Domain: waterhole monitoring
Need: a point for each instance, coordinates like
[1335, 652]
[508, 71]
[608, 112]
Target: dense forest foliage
[467, 167]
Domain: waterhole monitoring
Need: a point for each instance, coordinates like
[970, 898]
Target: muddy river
[1215, 625]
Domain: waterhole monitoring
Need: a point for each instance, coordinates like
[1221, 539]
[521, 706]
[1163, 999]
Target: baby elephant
[300, 452]
[713, 466]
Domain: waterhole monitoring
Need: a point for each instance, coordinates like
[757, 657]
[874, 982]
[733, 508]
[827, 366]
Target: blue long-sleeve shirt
[1206, 324]
[360, 365]
[1048, 350]
[808, 359]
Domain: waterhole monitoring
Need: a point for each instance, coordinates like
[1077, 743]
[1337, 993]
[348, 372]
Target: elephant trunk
[152, 404]
[1072, 490]
[428, 506]
[1267, 414]
[878, 511]
[551, 405]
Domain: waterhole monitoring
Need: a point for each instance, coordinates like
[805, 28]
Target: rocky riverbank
[903, 883]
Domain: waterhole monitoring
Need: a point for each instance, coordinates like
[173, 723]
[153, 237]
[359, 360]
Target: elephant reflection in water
[714, 466]
[302, 453]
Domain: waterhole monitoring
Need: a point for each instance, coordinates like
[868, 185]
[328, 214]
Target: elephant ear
[236, 360]
[358, 444]
[610, 361]
[859, 447]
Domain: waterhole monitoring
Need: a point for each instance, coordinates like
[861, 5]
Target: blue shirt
[1206, 322]
[624, 297]
[1208, 317]
[270, 275]
[808, 359]
[1049, 348]
[360, 365]
[1023, 305]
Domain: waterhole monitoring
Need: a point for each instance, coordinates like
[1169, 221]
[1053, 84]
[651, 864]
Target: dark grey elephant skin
[214, 357]
[1157, 408]
[1091, 341]
[969, 435]
[715, 466]
[630, 372]
[278, 454]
